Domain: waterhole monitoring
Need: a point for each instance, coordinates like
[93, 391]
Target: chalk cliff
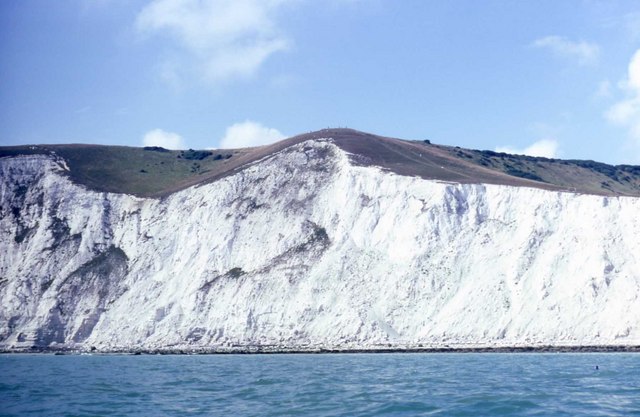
[306, 249]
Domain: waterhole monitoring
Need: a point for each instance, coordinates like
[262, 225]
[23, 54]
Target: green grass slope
[147, 172]
[588, 177]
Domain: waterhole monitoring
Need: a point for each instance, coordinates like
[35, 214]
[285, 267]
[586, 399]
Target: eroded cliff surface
[304, 249]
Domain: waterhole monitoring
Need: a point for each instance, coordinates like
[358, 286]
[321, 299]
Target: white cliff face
[304, 250]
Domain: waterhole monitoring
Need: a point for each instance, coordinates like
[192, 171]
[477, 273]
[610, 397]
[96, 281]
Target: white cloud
[547, 148]
[626, 112]
[222, 39]
[585, 53]
[159, 137]
[248, 133]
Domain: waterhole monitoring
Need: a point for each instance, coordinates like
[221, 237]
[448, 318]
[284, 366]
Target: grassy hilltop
[157, 172]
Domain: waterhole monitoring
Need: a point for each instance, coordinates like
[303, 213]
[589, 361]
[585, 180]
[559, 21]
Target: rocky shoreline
[281, 350]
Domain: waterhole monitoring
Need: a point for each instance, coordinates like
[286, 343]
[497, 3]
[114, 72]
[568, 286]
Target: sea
[381, 384]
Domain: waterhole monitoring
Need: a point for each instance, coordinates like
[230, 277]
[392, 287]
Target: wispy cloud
[249, 133]
[585, 53]
[221, 39]
[626, 112]
[159, 137]
[547, 148]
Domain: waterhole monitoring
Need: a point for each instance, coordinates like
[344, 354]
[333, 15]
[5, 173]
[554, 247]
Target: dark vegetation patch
[59, 229]
[318, 239]
[194, 155]
[632, 169]
[236, 272]
[522, 174]
[155, 149]
[233, 273]
[492, 154]
[319, 234]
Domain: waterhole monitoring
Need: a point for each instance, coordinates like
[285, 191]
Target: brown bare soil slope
[157, 172]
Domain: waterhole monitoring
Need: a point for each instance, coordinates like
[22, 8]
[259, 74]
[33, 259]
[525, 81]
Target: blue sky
[552, 78]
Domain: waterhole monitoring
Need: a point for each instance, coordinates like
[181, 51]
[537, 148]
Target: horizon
[545, 79]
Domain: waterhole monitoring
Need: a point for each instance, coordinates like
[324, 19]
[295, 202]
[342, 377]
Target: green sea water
[452, 384]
